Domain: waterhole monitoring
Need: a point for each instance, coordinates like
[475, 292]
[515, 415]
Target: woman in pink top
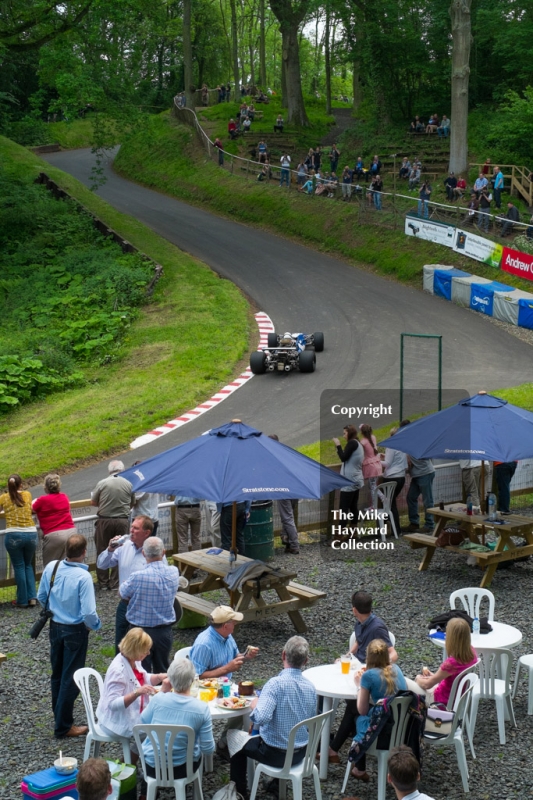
[372, 467]
[460, 656]
[53, 512]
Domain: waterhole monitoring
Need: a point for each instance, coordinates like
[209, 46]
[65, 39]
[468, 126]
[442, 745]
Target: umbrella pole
[233, 551]
[482, 499]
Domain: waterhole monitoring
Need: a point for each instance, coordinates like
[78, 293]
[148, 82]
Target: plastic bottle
[469, 505]
[475, 627]
[195, 686]
[119, 541]
[491, 505]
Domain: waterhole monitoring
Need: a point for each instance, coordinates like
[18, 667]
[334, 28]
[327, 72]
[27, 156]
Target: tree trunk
[357, 88]
[461, 35]
[284, 103]
[262, 47]
[235, 51]
[327, 59]
[290, 17]
[187, 53]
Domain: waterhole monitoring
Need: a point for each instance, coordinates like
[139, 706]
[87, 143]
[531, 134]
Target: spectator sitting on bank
[246, 124]
[332, 184]
[251, 111]
[444, 127]
[417, 126]
[414, 177]
[232, 129]
[359, 168]
[347, 177]
[375, 167]
[405, 168]
[473, 206]
[264, 175]
[512, 216]
[278, 125]
[262, 98]
[263, 151]
[308, 185]
[450, 184]
[433, 124]
[460, 189]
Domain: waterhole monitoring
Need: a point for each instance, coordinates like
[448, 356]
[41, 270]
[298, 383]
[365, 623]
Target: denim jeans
[377, 200]
[423, 209]
[68, 650]
[284, 177]
[21, 547]
[423, 484]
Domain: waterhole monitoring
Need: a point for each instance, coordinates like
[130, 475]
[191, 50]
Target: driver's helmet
[286, 340]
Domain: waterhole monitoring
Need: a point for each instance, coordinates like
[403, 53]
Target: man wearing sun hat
[215, 654]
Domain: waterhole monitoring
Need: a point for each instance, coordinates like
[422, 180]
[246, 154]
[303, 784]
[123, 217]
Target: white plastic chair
[392, 638]
[304, 769]
[385, 493]
[162, 738]
[471, 599]
[495, 684]
[183, 653]
[461, 722]
[525, 663]
[400, 708]
[454, 698]
[82, 679]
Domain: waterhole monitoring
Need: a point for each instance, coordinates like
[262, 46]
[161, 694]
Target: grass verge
[168, 157]
[186, 343]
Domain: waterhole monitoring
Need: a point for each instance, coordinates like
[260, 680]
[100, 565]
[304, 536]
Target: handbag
[228, 792]
[439, 721]
[45, 614]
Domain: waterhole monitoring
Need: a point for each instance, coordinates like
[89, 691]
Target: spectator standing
[424, 196]
[504, 471]
[228, 92]
[484, 211]
[317, 157]
[55, 520]
[212, 519]
[220, 147]
[20, 539]
[372, 468]
[334, 156]
[150, 593]
[414, 176]
[512, 216]
[485, 169]
[221, 93]
[346, 182]
[289, 532]
[128, 557]
[114, 498]
[226, 517]
[188, 515]
[278, 125]
[377, 188]
[146, 505]
[498, 187]
[394, 467]
[473, 206]
[352, 468]
[422, 474]
[73, 606]
[285, 176]
[302, 173]
[471, 478]
[310, 159]
[205, 95]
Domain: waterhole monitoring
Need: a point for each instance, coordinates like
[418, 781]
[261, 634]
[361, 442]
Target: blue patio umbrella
[479, 427]
[235, 463]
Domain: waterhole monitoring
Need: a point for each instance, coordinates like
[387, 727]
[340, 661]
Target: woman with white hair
[179, 708]
[55, 520]
[127, 686]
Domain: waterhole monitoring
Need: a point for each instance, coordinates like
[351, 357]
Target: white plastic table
[218, 713]
[502, 635]
[331, 684]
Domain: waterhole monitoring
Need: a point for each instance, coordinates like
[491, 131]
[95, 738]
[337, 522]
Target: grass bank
[186, 343]
[168, 157]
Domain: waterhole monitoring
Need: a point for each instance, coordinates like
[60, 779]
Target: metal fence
[313, 515]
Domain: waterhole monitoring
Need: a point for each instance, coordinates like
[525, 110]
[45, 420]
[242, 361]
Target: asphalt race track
[362, 316]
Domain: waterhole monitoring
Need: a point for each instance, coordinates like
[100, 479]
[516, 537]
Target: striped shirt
[211, 650]
[285, 701]
[151, 592]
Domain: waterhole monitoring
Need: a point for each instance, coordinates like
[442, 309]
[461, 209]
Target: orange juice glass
[205, 695]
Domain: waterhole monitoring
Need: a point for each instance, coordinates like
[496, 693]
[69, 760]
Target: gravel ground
[405, 598]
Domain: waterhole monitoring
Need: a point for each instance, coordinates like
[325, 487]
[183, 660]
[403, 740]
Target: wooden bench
[306, 592]
[196, 603]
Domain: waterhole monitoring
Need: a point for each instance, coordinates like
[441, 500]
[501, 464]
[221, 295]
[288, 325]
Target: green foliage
[27, 131]
[68, 295]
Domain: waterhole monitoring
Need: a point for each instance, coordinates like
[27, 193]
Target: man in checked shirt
[285, 700]
[150, 594]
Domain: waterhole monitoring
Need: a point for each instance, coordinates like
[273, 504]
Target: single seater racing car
[287, 352]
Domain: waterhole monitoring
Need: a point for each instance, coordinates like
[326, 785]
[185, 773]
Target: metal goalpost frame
[421, 336]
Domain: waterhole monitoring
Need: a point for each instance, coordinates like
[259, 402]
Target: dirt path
[343, 120]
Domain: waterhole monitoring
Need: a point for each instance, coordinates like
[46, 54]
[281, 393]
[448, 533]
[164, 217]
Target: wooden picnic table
[250, 600]
[475, 527]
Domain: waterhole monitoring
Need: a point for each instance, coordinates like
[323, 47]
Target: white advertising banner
[432, 231]
[478, 248]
